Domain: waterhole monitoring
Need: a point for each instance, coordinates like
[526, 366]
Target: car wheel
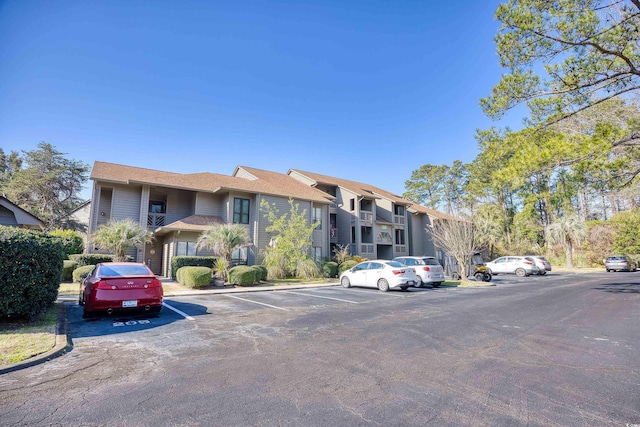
[478, 276]
[345, 282]
[608, 271]
[419, 283]
[521, 272]
[487, 277]
[456, 276]
[542, 273]
[404, 288]
[383, 285]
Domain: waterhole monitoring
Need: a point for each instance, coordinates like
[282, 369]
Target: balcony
[155, 220]
[366, 249]
[333, 234]
[366, 218]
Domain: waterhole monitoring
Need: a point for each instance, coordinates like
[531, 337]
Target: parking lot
[529, 351]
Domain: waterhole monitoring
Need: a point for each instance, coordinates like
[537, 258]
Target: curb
[62, 345]
[229, 290]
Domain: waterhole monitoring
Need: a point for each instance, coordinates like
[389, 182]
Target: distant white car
[518, 265]
[543, 264]
[381, 274]
[428, 269]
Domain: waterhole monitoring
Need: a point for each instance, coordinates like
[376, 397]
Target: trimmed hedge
[261, 272]
[330, 269]
[30, 271]
[190, 261]
[78, 272]
[346, 266]
[194, 277]
[72, 242]
[67, 270]
[90, 259]
[242, 275]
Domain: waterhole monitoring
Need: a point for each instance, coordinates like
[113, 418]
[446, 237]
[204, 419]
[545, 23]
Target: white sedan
[381, 274]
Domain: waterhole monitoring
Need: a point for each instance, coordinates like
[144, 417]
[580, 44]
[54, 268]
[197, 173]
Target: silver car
[428, 269]
[543, 264]
[518, 265]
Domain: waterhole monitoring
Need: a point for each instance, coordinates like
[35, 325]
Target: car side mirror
[84, 275]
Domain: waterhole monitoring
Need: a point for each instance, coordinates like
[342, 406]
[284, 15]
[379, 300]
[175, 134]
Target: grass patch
[21, 340]
[68, 289]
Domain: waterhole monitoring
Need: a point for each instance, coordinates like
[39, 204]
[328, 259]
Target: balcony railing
[155, 220]
[366, 217]
[401, 249]
[366, 248]
[333, 234]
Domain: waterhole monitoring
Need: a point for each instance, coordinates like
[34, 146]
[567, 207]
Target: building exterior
[177, 208]
[372, 221]
[13, 215]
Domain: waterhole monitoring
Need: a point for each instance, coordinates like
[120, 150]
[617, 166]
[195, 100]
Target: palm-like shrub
[119, 236]
[223, 239]
[568, 231]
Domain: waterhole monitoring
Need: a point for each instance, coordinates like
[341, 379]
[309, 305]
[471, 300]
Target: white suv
[518, 265]
[428, 269]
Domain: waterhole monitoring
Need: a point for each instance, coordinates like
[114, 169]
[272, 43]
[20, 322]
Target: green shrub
[90, 259]
[190, 261]
[346, 266]
[242, 275]
[194, 277]
[72, 242]
[30, 271]
[261, 272]
[67, 270]
[78, 272]
[330, 269]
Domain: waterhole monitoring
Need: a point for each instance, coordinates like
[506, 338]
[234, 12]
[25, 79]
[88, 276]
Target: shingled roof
[359, 188]
[265, 182]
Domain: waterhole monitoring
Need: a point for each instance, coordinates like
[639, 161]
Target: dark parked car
[619, 263]
[120, 286]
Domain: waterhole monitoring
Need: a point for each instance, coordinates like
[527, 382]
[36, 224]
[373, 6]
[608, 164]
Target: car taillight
[396, 272]
[104, 285]
[528, 262]
[155, 283]
[426, 268]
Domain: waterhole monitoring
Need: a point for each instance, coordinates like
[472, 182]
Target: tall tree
[589, 51]
[438, 186]
[48, 186]
[458, 239]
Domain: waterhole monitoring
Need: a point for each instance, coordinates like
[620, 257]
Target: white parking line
[255, 302]
[318, 296]
[181, 313]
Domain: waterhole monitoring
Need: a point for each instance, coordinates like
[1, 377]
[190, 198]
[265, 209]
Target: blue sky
[362, 90]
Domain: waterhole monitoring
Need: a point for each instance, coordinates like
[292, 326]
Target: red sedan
[120, 286]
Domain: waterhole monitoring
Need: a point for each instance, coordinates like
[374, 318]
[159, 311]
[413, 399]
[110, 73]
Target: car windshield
[123, 270]
[616, 258]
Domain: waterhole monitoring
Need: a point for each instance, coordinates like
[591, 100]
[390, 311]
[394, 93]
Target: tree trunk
[568, 250]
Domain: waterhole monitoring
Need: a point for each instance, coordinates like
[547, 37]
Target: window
[352, 204]
[399, 237]
[317, 217]
[398, 210]
[186, 249]
[157, 207]
[241, 211]
[317, 253]
[239, 256]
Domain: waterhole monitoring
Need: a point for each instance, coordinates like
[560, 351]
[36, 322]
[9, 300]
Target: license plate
[132, 303]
